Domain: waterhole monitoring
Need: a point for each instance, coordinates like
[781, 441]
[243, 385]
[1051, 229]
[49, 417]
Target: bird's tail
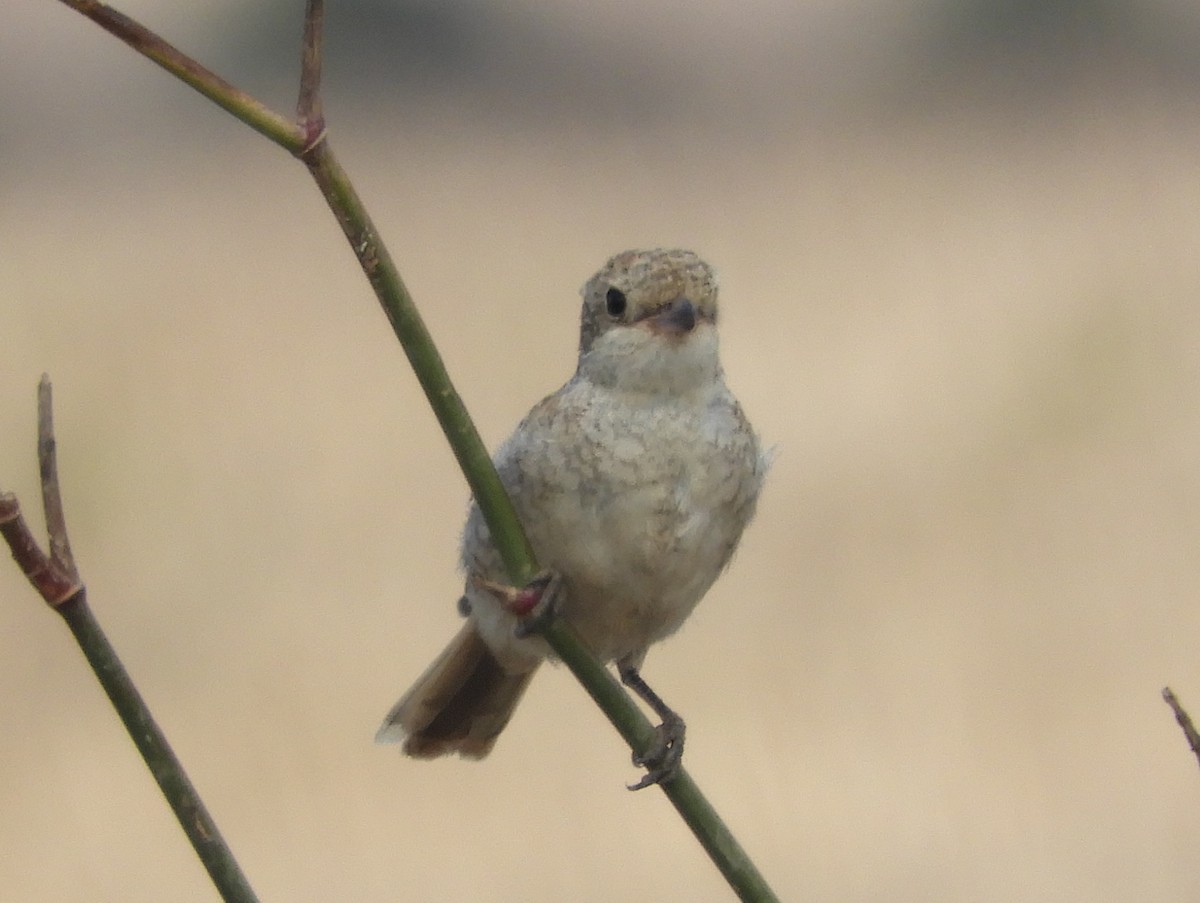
[459, 705]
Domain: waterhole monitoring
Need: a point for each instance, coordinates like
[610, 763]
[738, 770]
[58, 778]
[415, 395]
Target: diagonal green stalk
[309, 141]
[427, 364]
[56, 579]
[258, 116]
[722, 847]
[185, 802]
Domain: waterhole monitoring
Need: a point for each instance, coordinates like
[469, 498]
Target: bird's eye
[614, 302]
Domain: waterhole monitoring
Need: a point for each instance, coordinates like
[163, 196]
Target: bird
[634, 483]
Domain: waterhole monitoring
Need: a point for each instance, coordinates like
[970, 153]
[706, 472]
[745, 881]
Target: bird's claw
[544, 590]
[535, 604]
[663, 756]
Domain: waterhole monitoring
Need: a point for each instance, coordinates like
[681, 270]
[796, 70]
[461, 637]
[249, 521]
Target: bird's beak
[675, 318]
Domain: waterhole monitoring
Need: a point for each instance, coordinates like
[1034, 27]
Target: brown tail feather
[459, 705]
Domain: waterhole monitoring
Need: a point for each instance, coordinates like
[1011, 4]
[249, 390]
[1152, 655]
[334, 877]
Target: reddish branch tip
[51, 582]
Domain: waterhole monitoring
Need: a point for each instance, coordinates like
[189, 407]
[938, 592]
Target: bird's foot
[662, 757]
[535, 603]
[539, 605]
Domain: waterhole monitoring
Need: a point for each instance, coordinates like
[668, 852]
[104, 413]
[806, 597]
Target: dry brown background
[960, 257]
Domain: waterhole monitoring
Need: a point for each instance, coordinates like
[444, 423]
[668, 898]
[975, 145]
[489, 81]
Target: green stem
[502, 520]
[710, 830]
[258, 116]
[427, 364]
[156, 751]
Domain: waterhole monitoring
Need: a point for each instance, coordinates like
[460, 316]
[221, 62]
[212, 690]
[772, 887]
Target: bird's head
[648, 323]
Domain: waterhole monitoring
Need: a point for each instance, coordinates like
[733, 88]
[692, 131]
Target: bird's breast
[639, 509]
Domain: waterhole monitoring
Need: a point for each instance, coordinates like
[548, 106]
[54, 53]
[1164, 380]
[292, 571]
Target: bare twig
[51, 582]
[309, 112]
[250, 111]
[56, 520]
[56, 579]
[1184, 719]
[54, 576]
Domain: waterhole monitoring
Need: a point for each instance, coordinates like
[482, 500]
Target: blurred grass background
[959, 246]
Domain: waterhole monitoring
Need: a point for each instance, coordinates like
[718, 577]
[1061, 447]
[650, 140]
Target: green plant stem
[427, 364]
[160, 759]
[280, 129]
[706, 824]
[502, 520]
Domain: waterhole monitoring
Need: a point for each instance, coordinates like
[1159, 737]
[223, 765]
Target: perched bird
[634, 482]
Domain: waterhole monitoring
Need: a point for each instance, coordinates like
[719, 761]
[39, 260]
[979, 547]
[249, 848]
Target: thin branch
[426, 362]
[240, 104]
[54, 576]
[56, 520]
[51, 582]
[496, 507]
[309, 111]
[1184, 719]
[185, 802]
[56, 579]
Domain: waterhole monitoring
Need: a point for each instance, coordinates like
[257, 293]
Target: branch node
[315, 133]
[53, 584]
[54, 576]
